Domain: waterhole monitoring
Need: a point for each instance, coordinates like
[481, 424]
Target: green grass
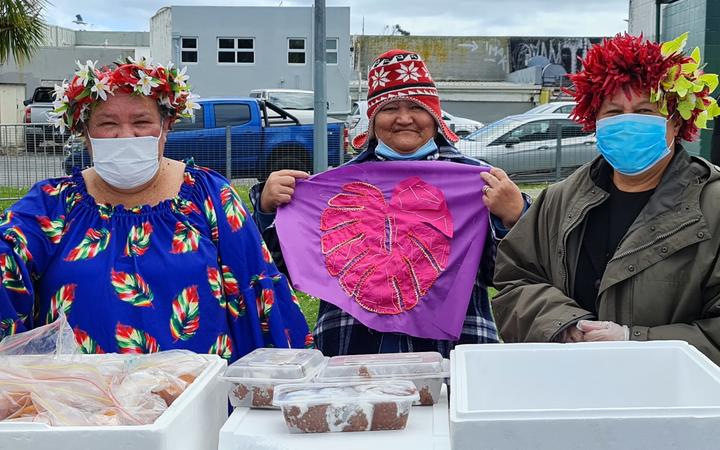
[9, 193]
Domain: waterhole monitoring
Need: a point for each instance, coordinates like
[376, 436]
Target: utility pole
[320, 150]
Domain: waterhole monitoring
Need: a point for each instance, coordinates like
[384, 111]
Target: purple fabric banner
[396, 245]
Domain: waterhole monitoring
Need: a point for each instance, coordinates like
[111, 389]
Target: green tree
[22, 29]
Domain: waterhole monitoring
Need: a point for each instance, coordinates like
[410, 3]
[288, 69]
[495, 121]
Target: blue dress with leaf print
[191, 272]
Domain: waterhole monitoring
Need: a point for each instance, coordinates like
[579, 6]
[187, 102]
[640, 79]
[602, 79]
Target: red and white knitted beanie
[401, 75]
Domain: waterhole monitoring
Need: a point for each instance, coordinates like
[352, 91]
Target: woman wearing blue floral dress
[141, 253]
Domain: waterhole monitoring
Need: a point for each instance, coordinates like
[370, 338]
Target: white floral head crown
[167, 85]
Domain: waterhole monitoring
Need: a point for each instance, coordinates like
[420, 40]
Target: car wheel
[295, 159]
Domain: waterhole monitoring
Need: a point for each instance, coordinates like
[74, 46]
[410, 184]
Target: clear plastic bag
[55, 338]
[61, 387]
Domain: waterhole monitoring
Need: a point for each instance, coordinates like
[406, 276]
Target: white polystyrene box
[590, 396]
[192, 422]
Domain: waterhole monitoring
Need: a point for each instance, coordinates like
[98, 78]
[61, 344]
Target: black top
[605, 228]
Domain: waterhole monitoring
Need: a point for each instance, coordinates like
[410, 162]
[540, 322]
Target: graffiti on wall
[564, 51]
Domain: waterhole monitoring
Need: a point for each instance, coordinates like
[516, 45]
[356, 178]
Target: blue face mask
[421, 153]
[632, 143]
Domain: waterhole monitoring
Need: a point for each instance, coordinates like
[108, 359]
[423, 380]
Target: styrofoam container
[256, 374]
[595, 396]
[427, 370]
[347, 406]
[191, 422]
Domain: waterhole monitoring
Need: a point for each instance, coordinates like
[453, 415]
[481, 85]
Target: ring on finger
[485, 189]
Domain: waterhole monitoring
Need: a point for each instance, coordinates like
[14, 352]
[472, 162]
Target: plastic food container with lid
[427, 370]
[346, 406]
[256, 374]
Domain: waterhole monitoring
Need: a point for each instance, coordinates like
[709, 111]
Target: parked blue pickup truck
[263, 138]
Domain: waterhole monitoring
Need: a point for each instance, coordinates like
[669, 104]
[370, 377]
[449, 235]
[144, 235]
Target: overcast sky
[419, 17]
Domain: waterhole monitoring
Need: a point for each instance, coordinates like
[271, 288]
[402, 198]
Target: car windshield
[540, 108]
[293, 100]
[502, 125]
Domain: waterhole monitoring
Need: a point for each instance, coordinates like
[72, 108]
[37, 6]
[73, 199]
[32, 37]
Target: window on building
[233, 50]
[296, 51]
[331, 51]
[189, 50]
[231, 114]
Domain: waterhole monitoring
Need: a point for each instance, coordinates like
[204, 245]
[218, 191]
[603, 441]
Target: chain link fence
[241, 155]
[530, 148]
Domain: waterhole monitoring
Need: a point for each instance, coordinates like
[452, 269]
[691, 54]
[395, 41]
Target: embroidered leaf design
[53, 229]
[215, 282]
[211, 217]
[185, 207]
[93, 243]
[105, 211]
[185, 239]
[309, 340]
[8, 327]
[71, 201]
[6, 218]
[61, 301]
[265, 252]
[222, 347]
[132, 288]
[230, 283]
[132, 340]
[55, 190]
[11, 276]
[236, 306]
[264, 302]
[86, 343]
[387, 256]
[185, 318]
[138, 240]
[232, 205]
[20, 243]
[188, 179]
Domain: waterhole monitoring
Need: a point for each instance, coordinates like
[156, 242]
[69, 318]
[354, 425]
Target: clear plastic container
[347, 406]
[427, 370]
[256, 374]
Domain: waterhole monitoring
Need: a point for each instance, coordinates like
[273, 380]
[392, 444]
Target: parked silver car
[553, 108]
[527, 144]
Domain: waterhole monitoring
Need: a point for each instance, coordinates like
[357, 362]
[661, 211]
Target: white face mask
[126, 163]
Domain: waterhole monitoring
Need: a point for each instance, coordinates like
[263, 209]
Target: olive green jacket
[663, 281]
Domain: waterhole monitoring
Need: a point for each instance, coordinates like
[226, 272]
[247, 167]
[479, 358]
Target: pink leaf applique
[387, 256]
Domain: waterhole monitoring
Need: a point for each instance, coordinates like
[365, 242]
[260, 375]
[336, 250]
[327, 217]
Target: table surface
[427, 429]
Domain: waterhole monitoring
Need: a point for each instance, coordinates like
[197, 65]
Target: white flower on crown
[408, 72]
[379, 78]
[145, 83]
[181, 78]
[142, 62]
[191, 104]
[59, 91]
[86, 71]
[57, 121]
[101, 87]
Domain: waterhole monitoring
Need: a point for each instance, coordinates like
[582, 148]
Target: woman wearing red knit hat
[626, 248]
[405, 123]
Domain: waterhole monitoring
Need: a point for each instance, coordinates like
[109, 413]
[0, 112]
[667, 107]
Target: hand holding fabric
[595, 331]
[279, 189]
[502, 197]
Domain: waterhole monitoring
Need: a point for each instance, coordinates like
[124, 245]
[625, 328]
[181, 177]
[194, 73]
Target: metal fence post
[558, 154]
[228, 152]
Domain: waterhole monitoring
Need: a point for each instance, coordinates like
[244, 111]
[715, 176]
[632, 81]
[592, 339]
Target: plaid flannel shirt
[338, 333]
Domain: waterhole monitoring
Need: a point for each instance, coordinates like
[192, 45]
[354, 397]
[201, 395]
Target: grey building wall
[161, 35]
[478, 58]
[271, 27]
[642, 18]
[50, 65]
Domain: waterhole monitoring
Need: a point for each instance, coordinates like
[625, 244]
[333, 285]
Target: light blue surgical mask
[632, 143]
[421, 153]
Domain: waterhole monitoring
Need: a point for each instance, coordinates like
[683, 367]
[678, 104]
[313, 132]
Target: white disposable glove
[595, 330]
